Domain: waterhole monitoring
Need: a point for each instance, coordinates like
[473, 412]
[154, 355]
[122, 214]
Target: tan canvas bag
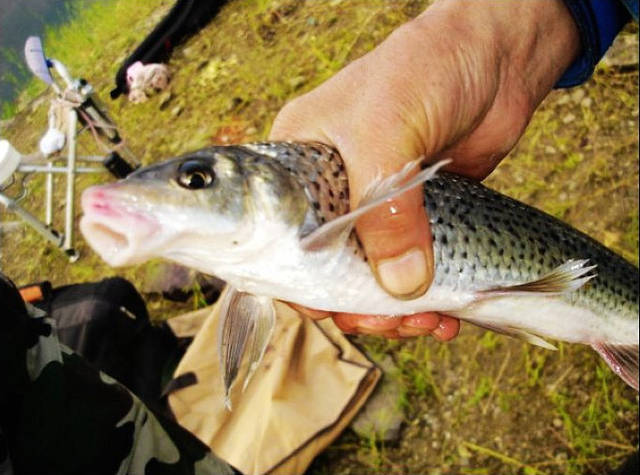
[311, 383]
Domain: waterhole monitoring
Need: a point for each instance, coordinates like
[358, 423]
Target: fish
[273, 220]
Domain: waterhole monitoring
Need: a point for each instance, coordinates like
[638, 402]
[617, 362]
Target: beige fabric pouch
[312, 381]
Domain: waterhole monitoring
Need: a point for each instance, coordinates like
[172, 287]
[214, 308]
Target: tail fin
[622, 359]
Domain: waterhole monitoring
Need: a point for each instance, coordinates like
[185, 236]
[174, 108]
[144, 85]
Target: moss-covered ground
[482, 404]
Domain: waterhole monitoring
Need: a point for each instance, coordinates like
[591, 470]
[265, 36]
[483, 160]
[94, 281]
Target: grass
[527, 469]
[534, 361]
[79, 44]
[483, 403]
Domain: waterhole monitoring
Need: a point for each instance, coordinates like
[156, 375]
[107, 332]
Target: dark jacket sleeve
[598, 21]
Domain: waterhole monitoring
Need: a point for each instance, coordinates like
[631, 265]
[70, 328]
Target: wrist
[550, 44]
[534, 41]
[598, 22]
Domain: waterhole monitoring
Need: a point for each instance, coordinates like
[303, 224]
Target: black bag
[107, 323]
[58, 415]
[183, 20]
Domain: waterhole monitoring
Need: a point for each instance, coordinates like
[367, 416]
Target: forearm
[469, 67]
[533, 41]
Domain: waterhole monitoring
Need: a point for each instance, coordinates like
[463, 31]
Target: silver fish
[273, 220]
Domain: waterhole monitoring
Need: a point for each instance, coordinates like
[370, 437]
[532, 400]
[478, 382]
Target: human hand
[460, 81]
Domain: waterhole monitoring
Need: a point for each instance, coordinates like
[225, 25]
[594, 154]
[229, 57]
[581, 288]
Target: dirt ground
[482, 404]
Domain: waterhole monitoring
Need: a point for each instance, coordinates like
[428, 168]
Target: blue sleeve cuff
[598, 22]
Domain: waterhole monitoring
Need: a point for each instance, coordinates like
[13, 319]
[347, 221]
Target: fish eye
[195, 175]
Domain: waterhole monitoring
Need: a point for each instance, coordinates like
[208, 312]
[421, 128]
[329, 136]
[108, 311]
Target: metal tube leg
[31, 220]
[70, 205]
[48, 215]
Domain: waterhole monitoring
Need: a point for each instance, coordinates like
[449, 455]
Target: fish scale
[480, 237]
[505, 241]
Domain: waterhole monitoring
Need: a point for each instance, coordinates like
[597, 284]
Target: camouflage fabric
[59, 415]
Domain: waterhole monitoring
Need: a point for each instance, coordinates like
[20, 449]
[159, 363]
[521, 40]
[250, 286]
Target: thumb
[397, 241]
[395, 235]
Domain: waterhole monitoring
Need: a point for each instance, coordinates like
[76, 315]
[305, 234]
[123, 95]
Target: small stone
[611, 238]
[549, 150]
[382, 416]
[432, 423]
[297, 82]
[577, 95]
[463, 451]
[567, 119]
[188, 51]
[586, 102]
[557, 423]
[164, 99]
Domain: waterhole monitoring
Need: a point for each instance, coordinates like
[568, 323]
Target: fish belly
[550, 317]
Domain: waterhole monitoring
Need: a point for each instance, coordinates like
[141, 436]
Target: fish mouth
[119, 233]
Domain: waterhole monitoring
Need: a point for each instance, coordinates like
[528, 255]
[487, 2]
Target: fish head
[196, 209]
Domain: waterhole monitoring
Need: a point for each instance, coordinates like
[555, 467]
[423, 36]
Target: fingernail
[405, 276]
[440, 333]
[448, 328]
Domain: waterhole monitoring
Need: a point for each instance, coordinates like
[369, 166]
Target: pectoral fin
[261, 335]
[379, 191]
[245, 319]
